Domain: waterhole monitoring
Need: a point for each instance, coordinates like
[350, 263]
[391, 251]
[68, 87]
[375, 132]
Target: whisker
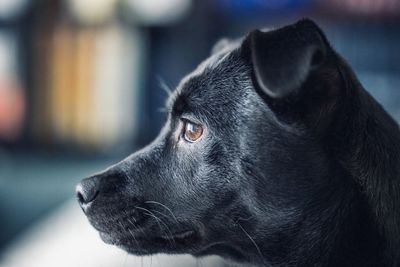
[130, 232]
[159, 221]
[244, 219]
[165, 207]
[158, 260]
[162, 214]
[162, 110]
[252, 240]
[136, 227]
[164, 86]
[133, 236]
[126, 258]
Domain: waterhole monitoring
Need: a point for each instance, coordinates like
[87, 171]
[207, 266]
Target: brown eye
[192, 132]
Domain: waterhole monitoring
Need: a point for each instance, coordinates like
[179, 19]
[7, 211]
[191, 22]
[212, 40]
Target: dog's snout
[87, 191]
[99, 188]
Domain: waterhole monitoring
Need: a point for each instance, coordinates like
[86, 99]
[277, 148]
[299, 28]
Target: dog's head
[240, 164]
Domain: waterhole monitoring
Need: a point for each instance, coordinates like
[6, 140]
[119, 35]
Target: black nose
[87, 191]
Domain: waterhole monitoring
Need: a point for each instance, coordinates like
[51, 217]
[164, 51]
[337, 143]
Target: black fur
[297, 166]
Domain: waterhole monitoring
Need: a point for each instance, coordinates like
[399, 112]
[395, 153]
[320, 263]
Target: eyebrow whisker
[162, 110]
[164, 86]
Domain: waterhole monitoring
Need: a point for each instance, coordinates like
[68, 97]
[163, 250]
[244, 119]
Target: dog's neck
[328, 235]
[367, 145]
[342, 231]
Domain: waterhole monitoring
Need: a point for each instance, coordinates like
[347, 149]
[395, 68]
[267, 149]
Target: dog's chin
[180, 241]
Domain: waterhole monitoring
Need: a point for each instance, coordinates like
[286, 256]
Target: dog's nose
[87, 191]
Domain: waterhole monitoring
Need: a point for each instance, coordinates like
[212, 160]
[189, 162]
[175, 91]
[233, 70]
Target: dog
[273, 154]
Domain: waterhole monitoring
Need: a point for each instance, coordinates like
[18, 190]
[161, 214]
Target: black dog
[273, 154]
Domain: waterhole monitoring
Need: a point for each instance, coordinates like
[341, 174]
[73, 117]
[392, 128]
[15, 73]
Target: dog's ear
[282, 59]
[295, 71]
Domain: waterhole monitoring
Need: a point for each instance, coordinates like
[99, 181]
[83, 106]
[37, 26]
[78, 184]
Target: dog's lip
[107, 238]
[180, 235]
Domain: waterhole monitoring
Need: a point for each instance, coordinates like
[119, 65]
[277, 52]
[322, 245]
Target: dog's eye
[192, 132]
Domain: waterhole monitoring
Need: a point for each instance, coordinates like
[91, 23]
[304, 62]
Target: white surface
[65, 239]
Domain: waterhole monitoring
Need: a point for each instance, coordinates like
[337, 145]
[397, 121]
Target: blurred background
[81, 88]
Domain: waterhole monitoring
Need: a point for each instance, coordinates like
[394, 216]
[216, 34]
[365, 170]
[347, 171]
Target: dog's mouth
[142, 243]
[179, 236]
[145, 231]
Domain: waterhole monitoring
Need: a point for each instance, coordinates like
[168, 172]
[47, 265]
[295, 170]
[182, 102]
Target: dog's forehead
[213, 77]
[213, 62]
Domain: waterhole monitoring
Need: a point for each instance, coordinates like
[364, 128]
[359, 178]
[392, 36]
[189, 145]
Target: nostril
[86, 193]
[79, 195]
[95, 187]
